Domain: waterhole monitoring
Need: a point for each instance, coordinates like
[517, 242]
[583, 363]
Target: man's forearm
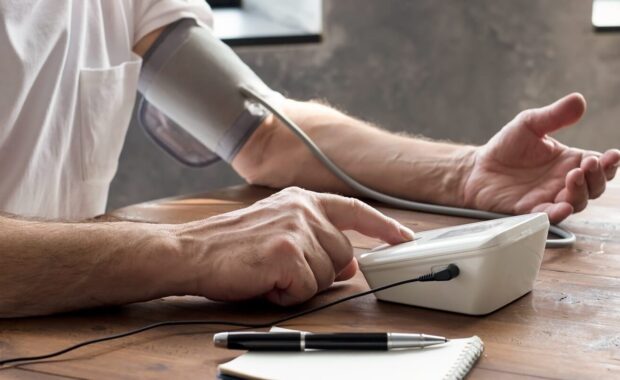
[398, 165]
[48, 267]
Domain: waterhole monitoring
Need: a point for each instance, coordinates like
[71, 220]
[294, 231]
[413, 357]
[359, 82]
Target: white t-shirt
[68, 80]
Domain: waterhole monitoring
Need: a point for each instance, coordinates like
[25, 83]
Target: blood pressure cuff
[191, 104]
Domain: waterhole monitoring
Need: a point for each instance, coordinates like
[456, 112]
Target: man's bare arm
[285, 248]
[48, 267]
[520, 170]
[399, 165]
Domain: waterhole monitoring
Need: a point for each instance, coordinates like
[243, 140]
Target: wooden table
[568, 327]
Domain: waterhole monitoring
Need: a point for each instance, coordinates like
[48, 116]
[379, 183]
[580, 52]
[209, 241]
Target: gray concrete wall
[449, 69]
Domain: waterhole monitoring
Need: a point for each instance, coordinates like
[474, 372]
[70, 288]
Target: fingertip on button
[406, 233]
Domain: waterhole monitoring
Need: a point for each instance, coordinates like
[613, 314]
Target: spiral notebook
[452, 360]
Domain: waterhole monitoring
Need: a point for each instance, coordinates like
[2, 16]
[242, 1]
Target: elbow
[255, 179]
[262, 159]
[267, 175]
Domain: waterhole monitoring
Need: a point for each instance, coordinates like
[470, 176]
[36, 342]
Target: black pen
[301, 341]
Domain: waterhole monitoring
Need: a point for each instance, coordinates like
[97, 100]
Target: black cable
[450, 272]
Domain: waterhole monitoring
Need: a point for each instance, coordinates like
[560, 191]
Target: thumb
[562, 113]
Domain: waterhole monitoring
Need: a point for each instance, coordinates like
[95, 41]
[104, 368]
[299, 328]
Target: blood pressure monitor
[498, 261]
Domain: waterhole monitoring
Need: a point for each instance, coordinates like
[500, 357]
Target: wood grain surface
[568, 327]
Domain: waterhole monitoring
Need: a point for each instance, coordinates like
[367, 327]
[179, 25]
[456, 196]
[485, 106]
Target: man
[68, 81]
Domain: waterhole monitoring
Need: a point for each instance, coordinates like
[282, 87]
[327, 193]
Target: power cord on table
[447, 274]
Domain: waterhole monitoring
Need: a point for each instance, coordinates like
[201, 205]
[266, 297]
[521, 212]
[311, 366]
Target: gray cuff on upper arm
[193, 78]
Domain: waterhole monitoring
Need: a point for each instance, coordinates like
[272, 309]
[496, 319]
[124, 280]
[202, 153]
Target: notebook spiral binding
[466, 360]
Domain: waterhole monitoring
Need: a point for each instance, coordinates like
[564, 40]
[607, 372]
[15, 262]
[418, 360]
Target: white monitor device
[606, 14]
[498, 261]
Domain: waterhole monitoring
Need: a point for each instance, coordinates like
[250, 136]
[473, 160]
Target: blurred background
[448, 69]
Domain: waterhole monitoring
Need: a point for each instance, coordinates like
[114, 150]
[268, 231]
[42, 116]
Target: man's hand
[286, 248]
[522, 170]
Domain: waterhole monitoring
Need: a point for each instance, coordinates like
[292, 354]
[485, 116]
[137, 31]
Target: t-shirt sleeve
[150, 15]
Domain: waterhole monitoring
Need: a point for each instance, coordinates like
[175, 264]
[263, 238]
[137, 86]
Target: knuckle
[597, 193]
[355, 203]
[343, 249]
[344, 261]
[296, 198]
[312, 288]
[290, 225]
[293, 222]
[304, 209]
[293, 190]
[356, 206]
[581, 206]
[284, 246]
[525, 117]
[300, 213]
[324, 274]
[326, 280]
[348, 247]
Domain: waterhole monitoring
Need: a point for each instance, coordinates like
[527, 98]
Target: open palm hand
[522, 170]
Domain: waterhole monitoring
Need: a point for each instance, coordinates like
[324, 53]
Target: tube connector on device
[447, 274]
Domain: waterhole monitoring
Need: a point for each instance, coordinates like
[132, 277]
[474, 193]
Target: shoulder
[151, 15]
